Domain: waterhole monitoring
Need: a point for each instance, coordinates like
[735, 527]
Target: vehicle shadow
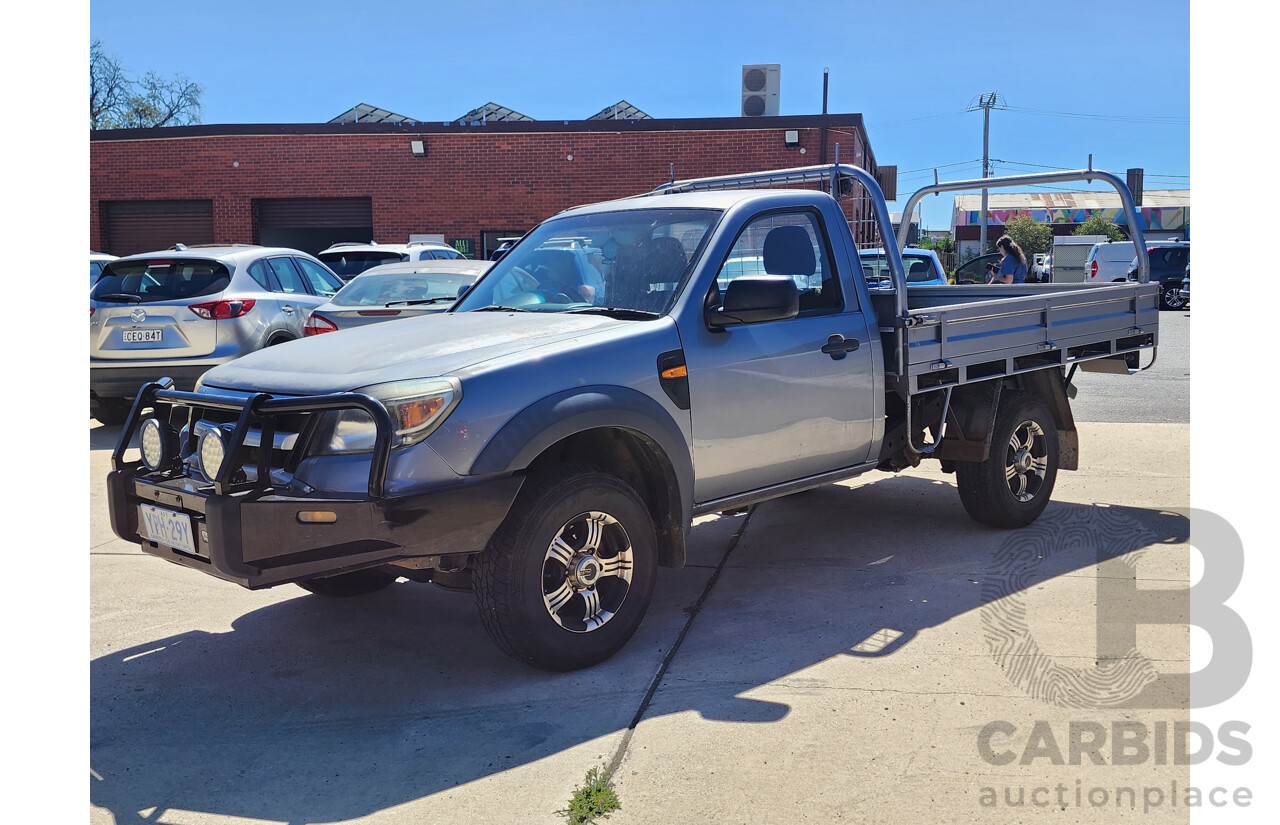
[102, 437]
[317, 710]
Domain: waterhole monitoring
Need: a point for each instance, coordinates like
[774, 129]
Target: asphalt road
[1159, 395]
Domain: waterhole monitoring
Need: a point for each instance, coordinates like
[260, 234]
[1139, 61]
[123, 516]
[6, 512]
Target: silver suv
[180, 311]
[350, 259]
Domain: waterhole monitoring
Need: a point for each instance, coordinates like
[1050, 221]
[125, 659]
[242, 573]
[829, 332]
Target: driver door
[768, 405]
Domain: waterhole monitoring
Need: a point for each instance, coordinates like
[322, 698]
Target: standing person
[1013, 266]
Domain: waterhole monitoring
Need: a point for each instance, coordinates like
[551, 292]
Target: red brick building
[310, 185]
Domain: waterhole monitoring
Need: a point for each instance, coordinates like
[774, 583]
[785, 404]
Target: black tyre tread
[497, 593]
[983, 491]
[347, 585]
[112, 411]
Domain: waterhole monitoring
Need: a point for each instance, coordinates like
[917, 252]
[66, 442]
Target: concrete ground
[853, 646]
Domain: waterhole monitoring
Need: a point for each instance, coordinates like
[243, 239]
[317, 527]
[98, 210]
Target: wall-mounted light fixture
[791, 137]
[419, 148]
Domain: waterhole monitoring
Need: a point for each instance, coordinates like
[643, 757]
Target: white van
[1109, 261]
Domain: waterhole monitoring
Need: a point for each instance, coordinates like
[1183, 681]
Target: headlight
[159, 444]
[416, 406]
[212, 453]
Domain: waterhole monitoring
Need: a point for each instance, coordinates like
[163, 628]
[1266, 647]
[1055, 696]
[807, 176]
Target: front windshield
[627, 260]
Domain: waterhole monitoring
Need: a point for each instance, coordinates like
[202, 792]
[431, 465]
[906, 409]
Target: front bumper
[250, 533]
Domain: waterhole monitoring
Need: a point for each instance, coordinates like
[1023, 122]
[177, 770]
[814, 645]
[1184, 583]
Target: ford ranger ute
[549, 450]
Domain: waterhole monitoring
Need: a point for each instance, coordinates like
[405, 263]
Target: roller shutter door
[313, 224]
[147, 226]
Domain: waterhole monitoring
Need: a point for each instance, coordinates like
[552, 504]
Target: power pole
[986, 103]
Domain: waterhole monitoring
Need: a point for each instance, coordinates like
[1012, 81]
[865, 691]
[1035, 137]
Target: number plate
[166, 527]
[141, 336]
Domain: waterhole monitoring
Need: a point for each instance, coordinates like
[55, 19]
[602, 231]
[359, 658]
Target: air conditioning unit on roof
[760, 84]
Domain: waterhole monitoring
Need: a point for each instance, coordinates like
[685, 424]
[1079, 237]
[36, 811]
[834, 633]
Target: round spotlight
[159, 444]
[212, 453]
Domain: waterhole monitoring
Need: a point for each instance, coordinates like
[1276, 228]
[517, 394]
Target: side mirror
[755, 299]
[462, 290]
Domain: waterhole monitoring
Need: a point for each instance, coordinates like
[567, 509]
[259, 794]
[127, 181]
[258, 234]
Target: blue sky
[1111, 79]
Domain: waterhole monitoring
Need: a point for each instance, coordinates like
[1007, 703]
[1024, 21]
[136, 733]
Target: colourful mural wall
[1164, 218]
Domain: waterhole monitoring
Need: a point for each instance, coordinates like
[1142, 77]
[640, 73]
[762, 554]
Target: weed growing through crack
[595, 798]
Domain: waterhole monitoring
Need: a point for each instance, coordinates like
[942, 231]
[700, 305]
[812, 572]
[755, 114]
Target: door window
[791, 244]
[289, 280]
[323, 282]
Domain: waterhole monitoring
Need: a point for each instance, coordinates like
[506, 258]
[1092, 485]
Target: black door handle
[838, 346]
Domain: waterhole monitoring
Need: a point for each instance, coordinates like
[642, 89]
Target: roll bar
[833, 174]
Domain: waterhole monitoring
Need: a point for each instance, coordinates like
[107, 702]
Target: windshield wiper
[499, 308]
[418, 301]
[614, 312]
[119, 296]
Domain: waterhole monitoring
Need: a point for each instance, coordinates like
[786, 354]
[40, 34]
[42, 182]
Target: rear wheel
[1170, 299]
[1012, 487]
[345, 585]
[567, 578]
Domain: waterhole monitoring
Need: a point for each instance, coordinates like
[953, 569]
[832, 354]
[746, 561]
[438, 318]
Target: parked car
[180, 311]
[1041, 268]
[401, 290]
[349, 259]
[97, 260]
[922, 267]
[1170, 263]
[977, 270]
[1185, 292]
[504, 244]
[1108, 262]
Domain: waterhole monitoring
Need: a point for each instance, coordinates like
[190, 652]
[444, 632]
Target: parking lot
[838, 654]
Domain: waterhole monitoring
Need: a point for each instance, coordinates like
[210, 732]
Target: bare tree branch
[118, 102]
[108, 85]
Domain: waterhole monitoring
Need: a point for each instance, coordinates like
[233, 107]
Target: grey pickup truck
[624, 368]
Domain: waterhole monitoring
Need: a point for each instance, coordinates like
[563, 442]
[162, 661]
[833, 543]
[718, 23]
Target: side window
[287, 275]
[258, 271]
[790, 244]
[322, 281]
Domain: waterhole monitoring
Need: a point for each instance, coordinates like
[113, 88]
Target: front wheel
[112, 412]
[567, 578]
[1012, 487]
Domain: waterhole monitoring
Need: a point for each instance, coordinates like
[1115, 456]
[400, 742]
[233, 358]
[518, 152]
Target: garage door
[146, 226]
[313, 224]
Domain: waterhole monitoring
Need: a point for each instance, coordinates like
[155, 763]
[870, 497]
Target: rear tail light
[1093, 269]
[222, 309]
[318, 324]
[90, 312]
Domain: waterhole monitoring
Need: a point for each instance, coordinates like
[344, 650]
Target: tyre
[112, 411]
[1012, 487]
[1170, 299]
[567, 578]
[345, 585]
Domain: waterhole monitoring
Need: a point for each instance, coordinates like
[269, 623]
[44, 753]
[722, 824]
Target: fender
[558, 416]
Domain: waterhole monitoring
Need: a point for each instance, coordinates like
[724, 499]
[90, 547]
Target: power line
[1158, 120]
[940, 166]
[913, 120]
